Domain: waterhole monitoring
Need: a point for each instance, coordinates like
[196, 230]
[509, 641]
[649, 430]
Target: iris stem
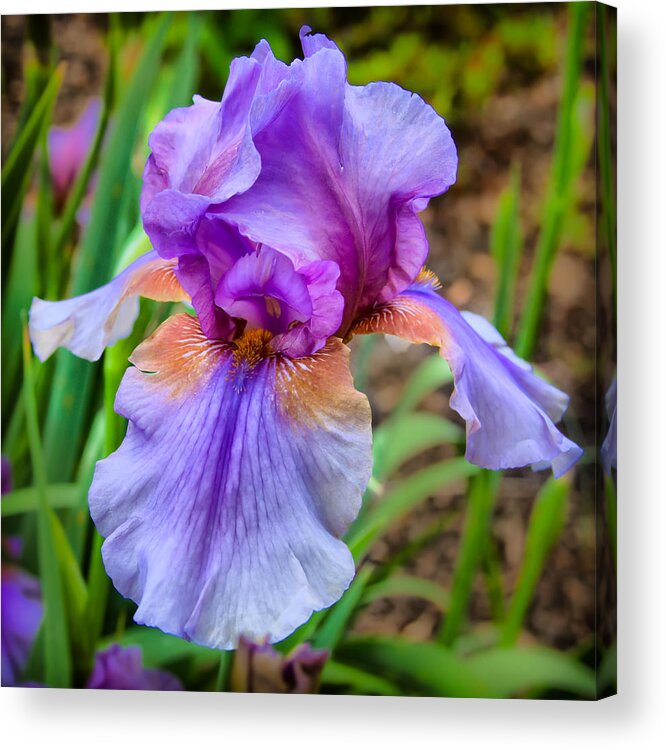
[559, 188]
[481, 502]
[223, 671]
[98, 581]
[57, 656]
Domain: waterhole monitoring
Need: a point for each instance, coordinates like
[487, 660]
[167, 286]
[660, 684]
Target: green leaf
[607, 674]
[402, 498]
[73, 380]
[338, 616]
[606, 34]
[159, 648]
[75, 598]
[516, 671]
[546, 524]
[77, 522]
[611, 515]
[480, 504]
[20, 287]
[406, 435]
[419, 668]
[16, 171]
[355, 680]
[560, 185]
[57, 659]
[430, 375]
[186, 67]
[26, 500]
[78, 191]
[505, 248]
[406, 585]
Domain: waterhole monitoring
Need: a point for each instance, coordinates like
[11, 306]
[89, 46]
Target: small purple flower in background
[288, 213]
[259, 668]
[21, 617]
[68, 148]
[20, 603]
[118, 668]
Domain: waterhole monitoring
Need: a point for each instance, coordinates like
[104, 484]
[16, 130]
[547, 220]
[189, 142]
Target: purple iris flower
[68, 149]
[288, 214]
[118, 668]
[21, 617]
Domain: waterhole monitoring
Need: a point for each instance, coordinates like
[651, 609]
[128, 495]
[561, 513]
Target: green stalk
[98, 581]
[546, 524]
[505, 247]
[223, 671]
[78, 191]
[481, 502]
[559, 188]
[57, 657]
[73, 380]
[483, 488]
[611, 515]
[605, 151]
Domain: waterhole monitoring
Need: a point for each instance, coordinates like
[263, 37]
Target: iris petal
[509, 411]
[87, 324]
[222, 509]
[344, 172]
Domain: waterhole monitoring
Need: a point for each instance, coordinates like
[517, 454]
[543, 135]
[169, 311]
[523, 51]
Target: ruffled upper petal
[87, 324]
[509, 411]
[296, 159]
[345, 170]
[203, 154]
[222, 509]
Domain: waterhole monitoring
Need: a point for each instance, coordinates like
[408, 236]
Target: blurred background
[501, 76]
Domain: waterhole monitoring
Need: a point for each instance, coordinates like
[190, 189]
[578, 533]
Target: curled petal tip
[510, 413]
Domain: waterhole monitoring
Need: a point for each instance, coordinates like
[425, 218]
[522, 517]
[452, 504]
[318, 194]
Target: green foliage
[567, 164]
[546, 525]
[16, 170]
[73, 379]
[505, 247]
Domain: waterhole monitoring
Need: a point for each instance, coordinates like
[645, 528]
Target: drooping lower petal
[87, 324]
[222, 509]
[509, 411]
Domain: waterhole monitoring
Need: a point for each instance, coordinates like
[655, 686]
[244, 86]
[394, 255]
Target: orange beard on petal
[403, 317]
[179, 356]
[314, 390]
